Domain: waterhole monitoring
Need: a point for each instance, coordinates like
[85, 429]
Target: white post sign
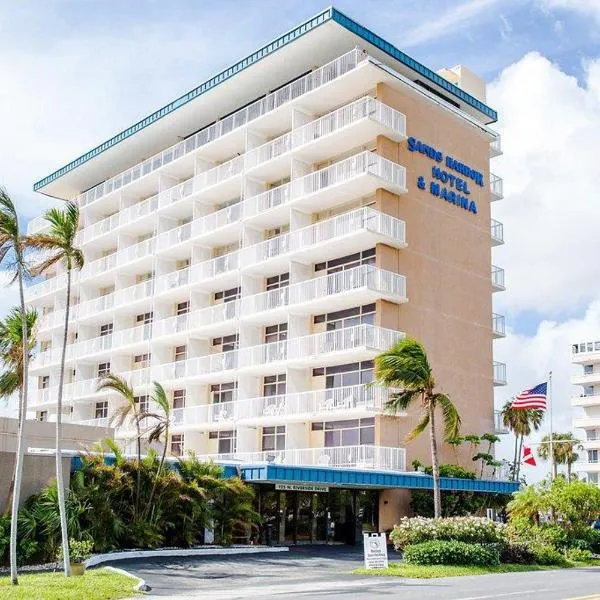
[375, 551]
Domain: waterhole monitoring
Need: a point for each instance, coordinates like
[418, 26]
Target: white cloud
[506, 28]
[550, 128]
[447, 22]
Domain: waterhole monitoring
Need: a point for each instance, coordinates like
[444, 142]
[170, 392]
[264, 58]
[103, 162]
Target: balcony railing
[498, 278]
[216, 266]
[196, 367]
[499, 373]
[197, 319]
[496, 187]
[498, 325]
[216, 220]
[497, 232]
[101, 227]
[100, 422]
[359, 457]
[496, 146]
[585, 347]
[263, 106]
[37, 225]
[499, 427]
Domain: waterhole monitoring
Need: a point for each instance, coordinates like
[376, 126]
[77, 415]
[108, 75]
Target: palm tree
[129, 410]
[12, 255]
[160, 430]
[59, 243]
[11, 356]
[405, 366]
[563, 451]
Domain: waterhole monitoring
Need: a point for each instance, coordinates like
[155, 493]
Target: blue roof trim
[392, 51]
[324, 16]
[366, 478]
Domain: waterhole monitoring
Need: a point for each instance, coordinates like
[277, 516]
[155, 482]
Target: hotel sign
[455, 189]
[375, 547]
[301, 487]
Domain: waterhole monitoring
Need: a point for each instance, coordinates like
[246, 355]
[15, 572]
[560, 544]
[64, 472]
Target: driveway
[316, 572]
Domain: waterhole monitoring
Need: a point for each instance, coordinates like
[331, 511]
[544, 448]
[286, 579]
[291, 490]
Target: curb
[99, 559]
[140, 586]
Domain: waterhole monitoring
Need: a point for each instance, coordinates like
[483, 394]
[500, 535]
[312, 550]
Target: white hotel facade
[256, 243]
[586, 355]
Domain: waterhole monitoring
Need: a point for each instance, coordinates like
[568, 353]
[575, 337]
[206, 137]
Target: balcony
[585, 352]
[42, 291]
[499, 376]
[361, 342]
[37, 225]
[584, 401]
[213, 367]
[359, 457]
[497, 279]
[587, 423]
[342, 234]
[353, 177]
[347, 127]
[497, 232]
[360, 285]
[496, 187]
[587, 378]
[100, 422]
[499, 427]
[135, 254]
[586, 467]
[211, 321]
[496, 147]
[47, 397]
[498, 326]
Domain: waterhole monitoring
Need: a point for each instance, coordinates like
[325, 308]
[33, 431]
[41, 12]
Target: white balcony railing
[496, 187]
[496, 146]
[217, 220]
[216, 266]
[37, 225]
[586, 347]
[498, 325]
[174, 236]
[100, 422]
[263, 106]
[95, 230]
[499, 373]
[360, 457]
[497, 232]
[196, 367]
[197, 319]
[498, 278]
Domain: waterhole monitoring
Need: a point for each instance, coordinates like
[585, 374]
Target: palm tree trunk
[21, 440]
[568, 470]
[62, 509]
[139, 460]
[519, 456]
[160, 467]
[435, 467]
[514, 473]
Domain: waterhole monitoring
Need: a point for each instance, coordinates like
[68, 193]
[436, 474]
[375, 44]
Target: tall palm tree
[564, 446]
[160, 430]
[11, 356]
[405, 366]
[12, 256]
[130, 410]
[59, 246]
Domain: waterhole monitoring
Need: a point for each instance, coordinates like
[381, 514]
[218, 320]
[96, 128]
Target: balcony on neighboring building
[499, 376]
[497, 279]
[498, 326]
[496, 187]
[497, 232]
[496, 146]
[585, 352]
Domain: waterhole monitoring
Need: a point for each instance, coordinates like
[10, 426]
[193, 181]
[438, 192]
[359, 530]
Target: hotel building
[254, 244]
[587, 355]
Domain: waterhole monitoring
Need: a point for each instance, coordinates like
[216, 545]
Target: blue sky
[75, 72]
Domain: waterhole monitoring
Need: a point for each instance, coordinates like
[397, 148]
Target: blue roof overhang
[316, 41]
[362, 478]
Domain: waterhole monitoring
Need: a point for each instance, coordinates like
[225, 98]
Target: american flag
[533, 398]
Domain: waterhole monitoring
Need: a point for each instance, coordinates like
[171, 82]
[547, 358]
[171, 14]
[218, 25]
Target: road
[312, 573]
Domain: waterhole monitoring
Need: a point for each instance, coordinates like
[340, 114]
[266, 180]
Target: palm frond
[401, 401]
[405, 366]
[160, 397]
[450, 416]
[118, 384]
[420, 427]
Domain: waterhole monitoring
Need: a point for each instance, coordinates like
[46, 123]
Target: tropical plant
[58, 246]
[564, 446]
[130, 410]
[405, 366]
[486, 457]
[521, 422]
[12, 256]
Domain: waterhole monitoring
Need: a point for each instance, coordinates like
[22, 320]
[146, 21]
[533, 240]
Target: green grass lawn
[400, 569]
[96, 584]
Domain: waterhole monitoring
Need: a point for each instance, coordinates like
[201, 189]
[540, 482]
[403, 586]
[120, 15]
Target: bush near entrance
[443, 552]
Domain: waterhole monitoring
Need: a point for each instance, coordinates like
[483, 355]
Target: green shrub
[463, 529]
[442, 552]
[79, 550]
[517, 553]
[579, 555]
[547, 555]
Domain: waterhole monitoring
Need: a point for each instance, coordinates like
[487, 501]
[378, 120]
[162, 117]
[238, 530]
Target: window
[101, 411]
[593, 478]
[144, 318]
[177, 444]
[278, 281]
[143, 402]
[592, 456]
[178, 398]
[366, 257]
[43, 415]
[106, 329]
[273, 438]
[228, 295]
[353, 432]
[275, 232]
[276, 333]
[141, 361]
[227, 441]
[182, 308]
[227, 343]
[274, 385]
[591, 435]
[103, 369]
[180, 353]
[182, 264]
[223, 392]
[144, 277]
[345, 375]
[44, 382]
[588, 369]
[350, 317]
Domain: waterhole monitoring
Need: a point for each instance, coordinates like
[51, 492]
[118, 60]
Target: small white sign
[300, 487]
[375, 546]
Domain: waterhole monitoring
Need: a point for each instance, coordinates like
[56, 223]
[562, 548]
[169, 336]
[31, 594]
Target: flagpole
[549, 400]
